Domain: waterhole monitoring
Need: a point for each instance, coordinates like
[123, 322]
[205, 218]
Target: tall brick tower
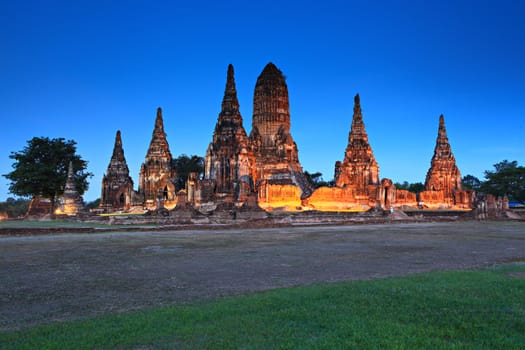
[71, 202]
[117, 185]
[276, 153]
[443, 174]
[157, 176]
[359, 167]
[230, 162]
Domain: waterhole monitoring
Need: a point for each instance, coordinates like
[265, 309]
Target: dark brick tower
[276, 153]
[230, 162]
[117, 185]
[157, 176]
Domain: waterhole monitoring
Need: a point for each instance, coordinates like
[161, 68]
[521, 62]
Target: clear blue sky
[83, 69]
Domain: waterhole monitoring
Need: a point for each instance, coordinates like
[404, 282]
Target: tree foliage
[316, 180]
[14, 207]
[184, 165]
[93, 204]
[470, 182]
[40, 169]
[415, 187]
[507, 179]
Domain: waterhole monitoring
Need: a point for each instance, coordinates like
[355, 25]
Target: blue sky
[84, 69]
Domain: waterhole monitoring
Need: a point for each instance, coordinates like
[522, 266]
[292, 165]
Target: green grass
[482, 309]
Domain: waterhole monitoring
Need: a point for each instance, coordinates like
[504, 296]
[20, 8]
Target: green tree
[316, 180]
[184, 165]
[40, 169]
[14, 207]
[93, 204]
[507, 179]
[415, 187]
[470, 182]
[402, 186]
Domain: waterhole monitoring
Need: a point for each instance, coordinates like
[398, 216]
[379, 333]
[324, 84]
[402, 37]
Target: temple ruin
[280, 178]
[443, 181]
[229, 166]
[157, 176]
[263, 169]
[117, 185]
[71, 202]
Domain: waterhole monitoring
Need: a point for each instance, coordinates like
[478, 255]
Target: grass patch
[482, 309]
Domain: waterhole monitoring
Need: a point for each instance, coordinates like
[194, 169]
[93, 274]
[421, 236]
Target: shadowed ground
[56, 277]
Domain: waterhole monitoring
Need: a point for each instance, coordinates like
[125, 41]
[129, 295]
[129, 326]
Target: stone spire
[117, 185]
[118, 151]
[158, 147]
[443, 174]
[71, 187]
[230, 104]
[71, 202]
[357, 131]
[359, 167]
[271, 108]
[276, 153]
[229, 159]
[157, 176]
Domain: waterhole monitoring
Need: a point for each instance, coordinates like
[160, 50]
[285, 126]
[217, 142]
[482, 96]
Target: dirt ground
[46, 278]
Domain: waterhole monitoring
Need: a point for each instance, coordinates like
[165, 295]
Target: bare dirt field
[46, 278]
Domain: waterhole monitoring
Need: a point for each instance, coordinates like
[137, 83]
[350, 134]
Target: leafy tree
[508, 179]
[415, 187]
[184, 165]
[471, 182]
[93, 204]
[14, 207]
[316, 180]
[402, 186]
[40, 169]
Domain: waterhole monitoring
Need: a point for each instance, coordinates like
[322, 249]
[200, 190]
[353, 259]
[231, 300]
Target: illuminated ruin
[229, 166]
[443, 181]
[157, 176]
[71, 202]
[280, 178]
[263, 169]
[117, 185]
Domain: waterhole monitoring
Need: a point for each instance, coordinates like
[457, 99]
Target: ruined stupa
[279, 173]
[443, 180]
[71, 202]
[157, 176]
[117, 185]
[359, 167]
[229, 168]
[357, 186]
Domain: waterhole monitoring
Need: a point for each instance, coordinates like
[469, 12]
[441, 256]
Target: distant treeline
[14, 207]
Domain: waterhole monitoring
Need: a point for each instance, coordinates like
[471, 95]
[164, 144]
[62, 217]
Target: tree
[14, 207]
[415, 187]
[93, 204]
[508, 179]
[40, 169]
[470, 182]
[316, 180]
[185, 165]
[402, 186]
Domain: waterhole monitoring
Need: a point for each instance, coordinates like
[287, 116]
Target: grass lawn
[481, 309]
